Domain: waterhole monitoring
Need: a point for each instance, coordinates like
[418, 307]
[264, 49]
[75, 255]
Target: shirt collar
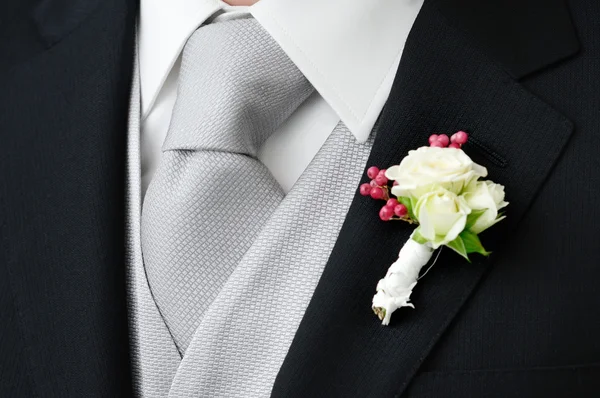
[165, 26]
[348, 50]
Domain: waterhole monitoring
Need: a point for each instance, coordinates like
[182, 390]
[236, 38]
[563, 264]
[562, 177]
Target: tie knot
[236, 86]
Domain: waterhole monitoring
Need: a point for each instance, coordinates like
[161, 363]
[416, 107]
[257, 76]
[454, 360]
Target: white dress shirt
[348, 50]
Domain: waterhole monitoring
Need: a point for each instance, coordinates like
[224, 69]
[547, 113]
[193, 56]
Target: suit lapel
[444, 83]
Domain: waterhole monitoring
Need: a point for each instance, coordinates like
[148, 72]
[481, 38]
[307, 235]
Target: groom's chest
[445, 83]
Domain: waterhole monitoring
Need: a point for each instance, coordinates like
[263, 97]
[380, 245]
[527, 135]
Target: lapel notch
[444, 84]
[523, 36]
[57, 18]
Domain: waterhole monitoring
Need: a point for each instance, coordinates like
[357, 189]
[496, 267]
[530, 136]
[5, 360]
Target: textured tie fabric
[210, 196]
[154, 356]
[245, 334]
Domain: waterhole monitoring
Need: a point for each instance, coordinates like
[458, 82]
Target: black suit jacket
[520, 75]
[522, 78]
[65, 71]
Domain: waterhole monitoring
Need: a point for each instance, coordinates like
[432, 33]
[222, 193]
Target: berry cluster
[378, 189]
[457, 140]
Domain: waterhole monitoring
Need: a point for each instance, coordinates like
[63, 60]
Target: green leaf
[417, 237]
[410, 205]
[472, 243]
[459, 246]
[413, 203]
[473, 217]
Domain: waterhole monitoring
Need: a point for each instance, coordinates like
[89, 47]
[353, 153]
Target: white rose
[442, 216]
[488, 196]
[449, 168]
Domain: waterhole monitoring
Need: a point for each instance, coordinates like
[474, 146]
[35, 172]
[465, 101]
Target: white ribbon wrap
[394, 290]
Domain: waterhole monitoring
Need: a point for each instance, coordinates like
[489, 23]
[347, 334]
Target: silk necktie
[210, 196]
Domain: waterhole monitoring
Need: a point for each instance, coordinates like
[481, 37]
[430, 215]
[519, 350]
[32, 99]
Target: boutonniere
[440, 190]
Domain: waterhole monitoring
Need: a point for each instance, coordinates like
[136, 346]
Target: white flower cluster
[451, 205]
[444, 185]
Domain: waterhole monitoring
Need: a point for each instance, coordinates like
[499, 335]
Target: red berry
[377, 193]
[444, 140]
[433, 138]
[372, 172]
[400, 210]
[365, 189]
[381, 179]
[392, 202]
[395, 183]
[460, 137]
[437, 144]
[373, 183]
[454, 145]
[386, 213]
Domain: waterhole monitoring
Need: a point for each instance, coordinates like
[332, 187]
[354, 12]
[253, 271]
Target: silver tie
[210, 196]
